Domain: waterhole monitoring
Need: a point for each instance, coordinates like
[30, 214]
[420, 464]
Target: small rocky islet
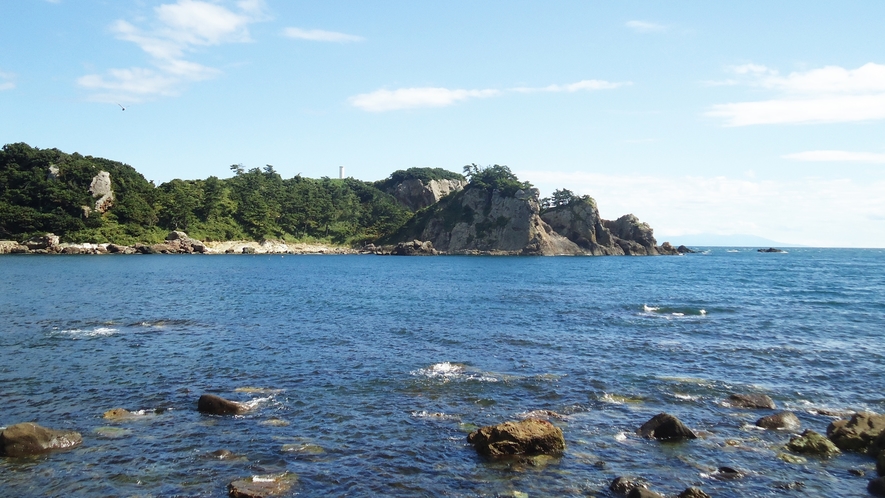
[535, 440]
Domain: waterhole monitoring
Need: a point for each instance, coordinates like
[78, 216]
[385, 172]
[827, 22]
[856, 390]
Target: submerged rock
[812, 443]
[664, 427]
[643, 493]
[117, 414]
[216, 405]
[526, 437]
[751, 401]
[623, 485]
[262, 486]
[770, 249]
[31, 439]
[857, 433]
[693, 492]
[782, 420]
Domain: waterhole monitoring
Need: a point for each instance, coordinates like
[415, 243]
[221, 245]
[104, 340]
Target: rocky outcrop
[665, 427]
[693, 492]
[414, 248]
[47, 242]
[216, 405]
[526, 437]
[579, 221]
[770, 249]
[416, 194]
[857, 433]
[622, 485]
[100, 188]
[12, 247]
[31, 439]
[780, 421]
[480, 220]
[754, 401]
[812, 443]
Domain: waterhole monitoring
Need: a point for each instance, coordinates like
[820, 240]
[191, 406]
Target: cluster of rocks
[528, 438]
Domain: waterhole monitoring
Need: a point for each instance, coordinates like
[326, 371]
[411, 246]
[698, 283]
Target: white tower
[341, 172]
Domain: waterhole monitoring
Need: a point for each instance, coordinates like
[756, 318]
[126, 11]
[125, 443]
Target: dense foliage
[48, 191]
[424, 174]
[494, 178]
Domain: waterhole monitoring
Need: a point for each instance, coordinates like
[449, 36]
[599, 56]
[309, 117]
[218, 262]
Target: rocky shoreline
[534, 440]
[178, 242]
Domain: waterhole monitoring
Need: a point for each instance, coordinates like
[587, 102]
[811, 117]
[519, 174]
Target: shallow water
[367, 372]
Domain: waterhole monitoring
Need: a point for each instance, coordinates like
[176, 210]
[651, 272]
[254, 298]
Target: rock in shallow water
[623, 485]
[31, 439]
[527, 437]
[665, 427]
[262, 486]
[876, 487]
[783, 420]
[812, 443]
[857, 433]
[751, 401]
[693, 492]
[216, 405]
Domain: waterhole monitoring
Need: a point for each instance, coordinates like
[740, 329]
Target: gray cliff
[416, 194]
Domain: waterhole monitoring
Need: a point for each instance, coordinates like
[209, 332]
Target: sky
[755, 117]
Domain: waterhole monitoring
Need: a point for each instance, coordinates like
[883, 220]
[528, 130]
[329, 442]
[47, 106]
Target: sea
[365, 374]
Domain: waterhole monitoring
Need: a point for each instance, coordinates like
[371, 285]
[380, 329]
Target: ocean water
[366, 373]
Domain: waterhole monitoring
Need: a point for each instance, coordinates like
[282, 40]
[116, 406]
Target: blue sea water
[367, 373]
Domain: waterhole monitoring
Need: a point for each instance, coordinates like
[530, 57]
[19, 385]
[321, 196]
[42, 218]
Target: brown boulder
[623, 485]
[216, 405]
[858, 433]
[643, 493]
[664, 426]
[876, 487]
[782, 420]
[751, 401]
[117, 414]
[526, 437]
[31, 439]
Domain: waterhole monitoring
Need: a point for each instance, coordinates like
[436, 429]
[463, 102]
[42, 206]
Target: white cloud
[320, 35]
[574, 87]
[178, 29]
[6, 81]
[408, 98]
[830, 94]
[645, 27]
[837, 156]
[809, 211]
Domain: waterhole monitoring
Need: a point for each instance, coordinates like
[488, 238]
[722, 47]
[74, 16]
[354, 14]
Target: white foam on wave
[96, 332]
[649, 309]
[621, 436]
[686, 397]
[447, 371]
[251, 404]
[434, 415]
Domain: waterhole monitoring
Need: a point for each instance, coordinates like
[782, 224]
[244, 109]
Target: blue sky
[762, 118]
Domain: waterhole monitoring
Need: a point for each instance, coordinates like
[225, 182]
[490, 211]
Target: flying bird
[121, 106]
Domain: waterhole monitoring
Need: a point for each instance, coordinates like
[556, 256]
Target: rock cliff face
[416, 194]
[100, 188]
[479, 220]
[580, 222]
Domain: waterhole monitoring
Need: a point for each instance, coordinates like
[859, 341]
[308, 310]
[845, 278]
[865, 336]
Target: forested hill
[51, 191]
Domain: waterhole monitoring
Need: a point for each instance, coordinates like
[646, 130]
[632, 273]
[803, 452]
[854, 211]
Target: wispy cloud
[837, 156]
[176, 30]
[573, 87]
[7, 81]
[831, 94]
[409, 98]
[320, 35]
[645, 26]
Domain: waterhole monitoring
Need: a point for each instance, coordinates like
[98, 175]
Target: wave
[88, 333]
[447, 371]
[673, 311]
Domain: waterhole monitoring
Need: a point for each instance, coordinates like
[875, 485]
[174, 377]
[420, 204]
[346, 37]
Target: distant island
[51, 201]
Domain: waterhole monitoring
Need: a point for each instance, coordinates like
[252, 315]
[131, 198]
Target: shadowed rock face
[31, 439]
[580, 223]
[782, 420]
[526, 437]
